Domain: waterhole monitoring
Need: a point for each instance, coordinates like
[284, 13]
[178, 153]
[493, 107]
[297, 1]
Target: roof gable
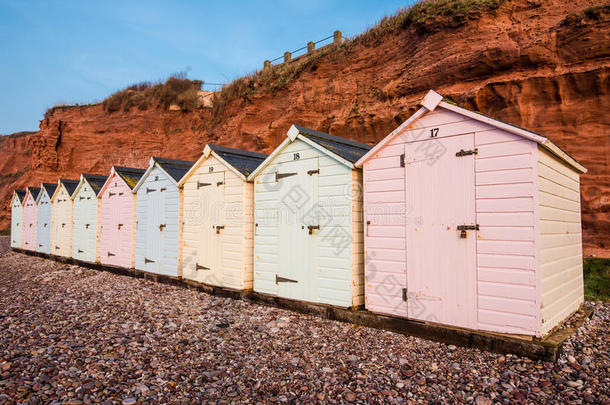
[433, 100]
[130, 175]
[343, 150]
[174, 169]
[34, 192]
[48, 189]
[20, 195]
[95, 181]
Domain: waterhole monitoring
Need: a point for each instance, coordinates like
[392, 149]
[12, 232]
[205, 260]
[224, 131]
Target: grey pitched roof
[242, 160]
[131, 175]
[70, 185]
[345, 148]
[50, 188]
[96, 181]
[34, 191]
[20, 195]
[175, 168]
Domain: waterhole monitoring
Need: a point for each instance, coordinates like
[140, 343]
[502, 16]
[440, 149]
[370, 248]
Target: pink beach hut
[118, 216]
[472, 222]
[30, 218]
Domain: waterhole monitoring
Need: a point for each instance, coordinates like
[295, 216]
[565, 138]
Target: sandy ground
[75, 335]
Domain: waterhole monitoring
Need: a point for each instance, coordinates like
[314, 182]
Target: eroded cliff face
[541, 65]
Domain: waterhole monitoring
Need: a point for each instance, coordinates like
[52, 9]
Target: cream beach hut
[118, 217]
[43, 231]
[85, 231]
[217, 220]
[158, 215]
[17, 218]
[472, 222]
[30, 218]
[308, 228]
[61, 218]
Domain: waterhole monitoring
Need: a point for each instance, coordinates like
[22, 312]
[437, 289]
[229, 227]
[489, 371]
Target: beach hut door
[208, 266]
[156, 228]
[441, 230]
[299, 229]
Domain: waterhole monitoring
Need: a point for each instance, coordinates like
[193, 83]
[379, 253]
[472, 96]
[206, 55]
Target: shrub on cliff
[176, 90]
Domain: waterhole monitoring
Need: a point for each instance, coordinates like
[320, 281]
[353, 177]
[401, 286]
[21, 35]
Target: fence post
[311, 46]
[266, 64]
[287, 56]
[337, 37]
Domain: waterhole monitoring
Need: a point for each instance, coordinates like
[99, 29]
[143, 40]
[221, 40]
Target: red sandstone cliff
[539, 64]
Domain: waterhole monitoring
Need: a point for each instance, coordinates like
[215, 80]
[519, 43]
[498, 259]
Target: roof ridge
[170, 161]
[235, 151]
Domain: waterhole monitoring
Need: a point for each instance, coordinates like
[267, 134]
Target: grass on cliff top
[176, 90]
[597, 279]
[421, 15]
[5, 232]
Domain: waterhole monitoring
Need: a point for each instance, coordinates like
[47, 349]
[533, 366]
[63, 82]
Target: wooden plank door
[298, 244]
[152, 256]
[441, 264]
[211, 187]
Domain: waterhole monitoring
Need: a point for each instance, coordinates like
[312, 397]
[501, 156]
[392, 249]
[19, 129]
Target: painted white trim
[15, 195]
[79, 186]
[59, 186]
[291, 137]
[555, 150]
[151, 165]
[105, 186]
[269, 159]
[207, 151]
[391, 136]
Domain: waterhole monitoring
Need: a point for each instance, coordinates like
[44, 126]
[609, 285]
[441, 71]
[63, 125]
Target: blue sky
[81, 51]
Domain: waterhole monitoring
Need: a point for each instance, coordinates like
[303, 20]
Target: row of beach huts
[454, 218]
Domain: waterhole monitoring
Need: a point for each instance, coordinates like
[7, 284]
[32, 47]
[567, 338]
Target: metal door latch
[402, 160]
[200, 267]
[80, 251]
[86, 226]
[111, 254]
[279, 279]
[464, 228]
[147, 260]
[463, 152]
[162, 189]
[279, 175]
[162, 227]
[312, 172]
[119, 226]
[219, 227]
[312, 227]
[220, 183]
[404, 294]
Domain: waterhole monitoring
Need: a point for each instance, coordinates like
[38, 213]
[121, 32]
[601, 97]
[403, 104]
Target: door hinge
[111, 194]
[81, 198]
[312, 172]
[219, 227]
[111, 254]
[310, 228]
[402, 160]
[162, 226]
[200, 184]
[150, 190]
[404, 294]
[279, 279]
[463, 152]
[200, 267]
[279, 175]
[39, 245]
[147, 260]
[80, 251]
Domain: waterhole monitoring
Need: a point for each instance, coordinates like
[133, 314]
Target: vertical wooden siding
[560, 240]
[115, 210]
[43, 232]
[338, 277]
[16, 223]
[84, 233]
[30, 217]
[61, 224]
[148, 235]
[235, 250]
